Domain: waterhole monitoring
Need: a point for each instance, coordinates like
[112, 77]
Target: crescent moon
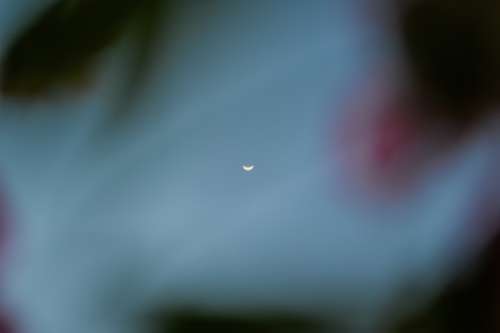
[248, 167]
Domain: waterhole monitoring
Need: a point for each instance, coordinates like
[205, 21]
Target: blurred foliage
[190, 321]
[453, 49]
[59, 49]
[471, 303]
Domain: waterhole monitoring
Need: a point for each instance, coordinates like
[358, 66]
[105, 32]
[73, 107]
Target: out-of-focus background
[372, 127]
